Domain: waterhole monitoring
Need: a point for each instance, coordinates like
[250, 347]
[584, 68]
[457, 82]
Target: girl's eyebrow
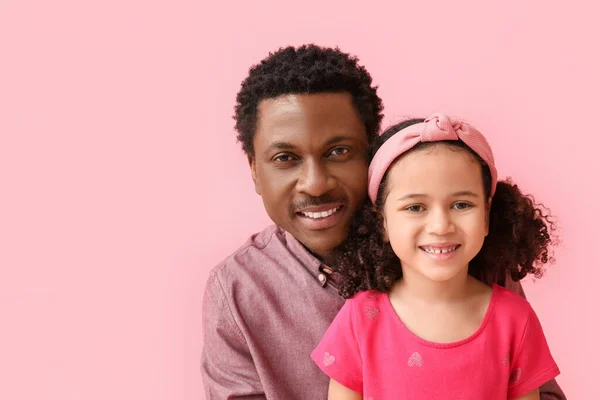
[467, 193]
[412, 196]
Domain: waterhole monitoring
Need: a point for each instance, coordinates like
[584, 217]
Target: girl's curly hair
[521, 234]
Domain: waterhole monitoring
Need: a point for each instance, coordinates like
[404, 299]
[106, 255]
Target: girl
[430, 322]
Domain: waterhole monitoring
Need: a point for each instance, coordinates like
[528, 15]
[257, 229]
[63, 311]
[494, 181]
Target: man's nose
[315, 179]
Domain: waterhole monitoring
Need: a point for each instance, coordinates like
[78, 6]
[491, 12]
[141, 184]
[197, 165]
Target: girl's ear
[384, 233]
[488, 209]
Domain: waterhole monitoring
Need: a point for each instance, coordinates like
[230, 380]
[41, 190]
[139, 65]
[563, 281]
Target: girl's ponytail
[520, 237]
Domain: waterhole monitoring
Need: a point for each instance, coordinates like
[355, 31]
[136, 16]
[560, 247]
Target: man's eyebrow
[337, 139]
[281, 146]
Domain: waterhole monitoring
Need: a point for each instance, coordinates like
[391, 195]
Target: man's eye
[339, 151]
[283, 158]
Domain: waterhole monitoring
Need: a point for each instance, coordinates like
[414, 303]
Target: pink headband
[436, 128]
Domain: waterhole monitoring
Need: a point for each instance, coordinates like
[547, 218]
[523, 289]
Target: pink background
[122, 184]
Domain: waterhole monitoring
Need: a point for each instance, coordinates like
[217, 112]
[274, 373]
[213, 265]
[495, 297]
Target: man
[305, 117]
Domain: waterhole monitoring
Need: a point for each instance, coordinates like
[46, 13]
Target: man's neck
[327, 258]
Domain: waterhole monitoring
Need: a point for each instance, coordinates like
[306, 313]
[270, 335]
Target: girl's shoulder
[368, 307]
[510, 307]
[368, 297]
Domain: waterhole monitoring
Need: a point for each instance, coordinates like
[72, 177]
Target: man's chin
[320, 242]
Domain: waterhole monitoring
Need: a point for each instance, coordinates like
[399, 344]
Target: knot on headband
[439, 127]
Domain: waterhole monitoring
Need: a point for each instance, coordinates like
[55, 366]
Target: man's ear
[252, 163]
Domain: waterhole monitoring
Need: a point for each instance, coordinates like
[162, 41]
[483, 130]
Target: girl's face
[435, 213]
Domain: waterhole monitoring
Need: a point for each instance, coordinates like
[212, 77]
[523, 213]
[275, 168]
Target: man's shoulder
[240, 272]
[256, 246]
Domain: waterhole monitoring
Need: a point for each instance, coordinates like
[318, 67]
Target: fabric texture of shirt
[266, 308]
[369, 350]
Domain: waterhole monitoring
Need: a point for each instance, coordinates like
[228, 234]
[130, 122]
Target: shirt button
[322, 279]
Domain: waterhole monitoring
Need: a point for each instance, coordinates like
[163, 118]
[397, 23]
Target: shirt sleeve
[338, 355]
[533, 365]
[549, 390]
[226, 365]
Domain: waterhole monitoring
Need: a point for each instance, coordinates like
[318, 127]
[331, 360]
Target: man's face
[310, 166]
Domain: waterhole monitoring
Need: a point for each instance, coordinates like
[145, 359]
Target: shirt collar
[322, 272]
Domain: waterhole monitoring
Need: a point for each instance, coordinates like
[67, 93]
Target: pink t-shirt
[368, 349]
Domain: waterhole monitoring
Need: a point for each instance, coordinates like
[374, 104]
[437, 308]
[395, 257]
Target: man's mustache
[311, 201]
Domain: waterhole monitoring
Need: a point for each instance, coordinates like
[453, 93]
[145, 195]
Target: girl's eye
[461, 205]
[415, 208]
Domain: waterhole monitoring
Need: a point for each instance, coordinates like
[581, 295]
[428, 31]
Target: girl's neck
[419, 289]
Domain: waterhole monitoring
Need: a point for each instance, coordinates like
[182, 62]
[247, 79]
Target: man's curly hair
[521, 234]
[304, 70]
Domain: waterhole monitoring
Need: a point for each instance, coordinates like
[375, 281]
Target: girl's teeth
[439, 251]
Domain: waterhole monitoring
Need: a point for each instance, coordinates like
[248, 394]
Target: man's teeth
[438, 250]
[322, 214]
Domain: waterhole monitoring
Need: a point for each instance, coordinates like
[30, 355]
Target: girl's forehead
[435, 170]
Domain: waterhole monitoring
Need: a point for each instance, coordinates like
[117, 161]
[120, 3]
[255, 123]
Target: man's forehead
[318, 116]
[279, 107]
[330, 107]
[284, 112]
